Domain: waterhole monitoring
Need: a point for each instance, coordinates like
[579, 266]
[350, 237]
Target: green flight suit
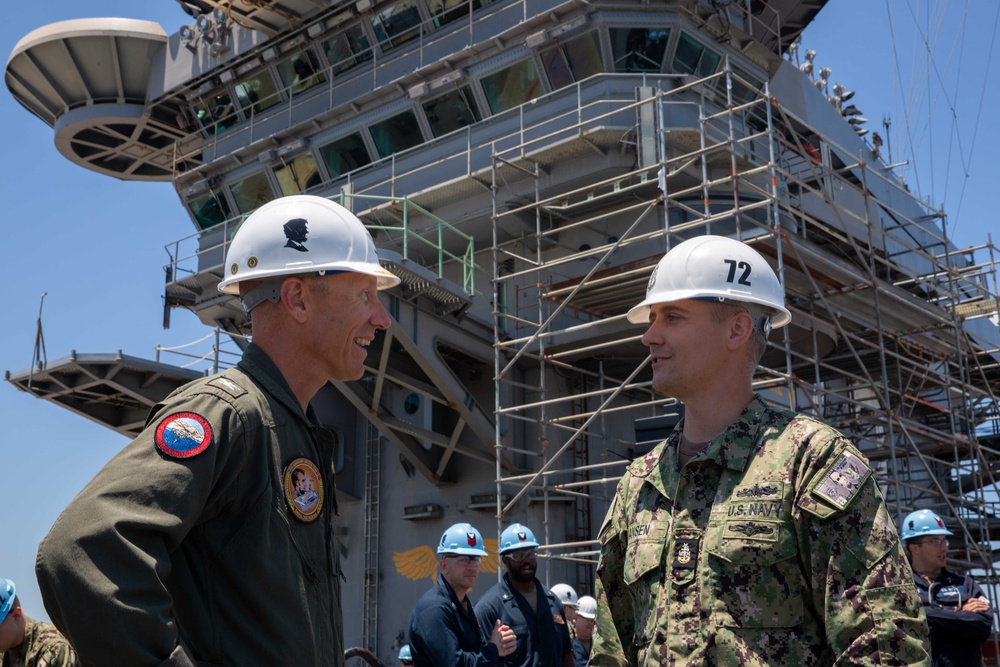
[771, 547]
[43, 646]
[185, 549]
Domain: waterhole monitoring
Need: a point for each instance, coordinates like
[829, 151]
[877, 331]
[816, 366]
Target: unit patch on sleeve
[842, 480]
[183, 435]
[304, 492]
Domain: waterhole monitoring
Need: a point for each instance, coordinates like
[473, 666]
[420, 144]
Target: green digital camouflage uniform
[199, 560]
[43, 646]
[771, 547]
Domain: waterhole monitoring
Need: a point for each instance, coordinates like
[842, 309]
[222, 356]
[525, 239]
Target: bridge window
[396, 134]
[512, 87]
[298, 174]
[638, 49]
[301, 72]
[257, 93]
[348, 48]
[446, 11]
[215, 113]
[210, 209]
[573, 61]
[252, 192]
[692, 57]
[451, 111]
[344, 155]
[396, 24]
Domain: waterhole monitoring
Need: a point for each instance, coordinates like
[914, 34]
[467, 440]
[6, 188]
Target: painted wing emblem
[417, 563]
[490, 563]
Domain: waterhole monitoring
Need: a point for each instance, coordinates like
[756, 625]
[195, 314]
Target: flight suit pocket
[755, 578]
[643, 574]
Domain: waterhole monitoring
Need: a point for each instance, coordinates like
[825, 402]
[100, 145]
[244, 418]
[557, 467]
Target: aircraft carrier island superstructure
[522, 165]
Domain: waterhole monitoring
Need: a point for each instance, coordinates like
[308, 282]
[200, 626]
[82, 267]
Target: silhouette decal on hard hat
[296, 232]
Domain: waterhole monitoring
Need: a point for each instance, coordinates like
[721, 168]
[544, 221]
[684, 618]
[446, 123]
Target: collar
[731, 449]
[264, 372]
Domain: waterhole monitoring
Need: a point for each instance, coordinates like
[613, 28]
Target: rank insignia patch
[304, 492]
[842, 480]
[183, 435]
[686, 553]
[227, 386]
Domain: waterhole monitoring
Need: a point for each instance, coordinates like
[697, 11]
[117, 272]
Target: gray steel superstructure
[522, 165]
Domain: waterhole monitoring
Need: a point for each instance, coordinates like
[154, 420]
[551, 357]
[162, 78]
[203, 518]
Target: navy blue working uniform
[956, 635]
[541, 640]
[445, 633]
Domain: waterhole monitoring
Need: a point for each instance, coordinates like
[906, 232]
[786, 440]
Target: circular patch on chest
[304, 491]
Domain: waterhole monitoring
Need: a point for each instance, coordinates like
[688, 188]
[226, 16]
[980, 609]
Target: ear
[295, 298]
[740, 330]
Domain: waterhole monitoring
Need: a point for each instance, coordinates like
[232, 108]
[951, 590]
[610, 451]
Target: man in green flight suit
[752, 536]
[25, 642]
[210, 539]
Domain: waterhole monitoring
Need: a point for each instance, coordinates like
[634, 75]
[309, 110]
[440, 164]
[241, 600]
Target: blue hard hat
[462, 539]
[923, 522]
[404, 653]
[516, 536]
[7, 592]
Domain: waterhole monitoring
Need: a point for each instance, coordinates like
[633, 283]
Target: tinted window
[301, 72]
[252, 192]
[638, 49]
[451, 111]
[446, 11]
[573, 61]
[210, 209]
[347, 49]
[344, 155]
[512, 87]
[298, 174]
[396, 24]
[257, 93]
[692, 57]
[215, 113]
[396, 134]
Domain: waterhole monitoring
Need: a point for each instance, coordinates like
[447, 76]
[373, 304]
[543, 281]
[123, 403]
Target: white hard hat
[587, 607]
[717, 268]
[566, 594]
[300, 234]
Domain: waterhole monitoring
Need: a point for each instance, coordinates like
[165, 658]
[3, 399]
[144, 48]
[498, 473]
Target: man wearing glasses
[958, 612]
[444, 631]
[522, 602]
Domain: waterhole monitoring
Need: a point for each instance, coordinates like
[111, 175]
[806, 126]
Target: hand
[976, 604]
[504, 639]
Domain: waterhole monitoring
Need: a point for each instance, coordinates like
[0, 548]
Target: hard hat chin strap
[268, 290]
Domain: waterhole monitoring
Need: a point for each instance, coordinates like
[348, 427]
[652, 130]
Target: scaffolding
[891, 343]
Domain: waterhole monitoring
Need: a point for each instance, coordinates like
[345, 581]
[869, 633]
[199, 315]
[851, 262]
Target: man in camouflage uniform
[193, 544]
[752, 536]
[25, 642]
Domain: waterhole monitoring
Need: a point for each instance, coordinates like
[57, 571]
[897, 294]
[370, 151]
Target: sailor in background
[958, 612]
[531, 610]
[752, 536]
[25, 642]
[444, 631]
[405, 657]
[199, 542]
[586, 612]
[568, 597]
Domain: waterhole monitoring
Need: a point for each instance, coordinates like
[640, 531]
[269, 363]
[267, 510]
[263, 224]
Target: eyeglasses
[936, 541]
[522, 555]
[464, 561]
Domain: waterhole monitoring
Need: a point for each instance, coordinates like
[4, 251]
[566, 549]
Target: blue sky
[95, 245]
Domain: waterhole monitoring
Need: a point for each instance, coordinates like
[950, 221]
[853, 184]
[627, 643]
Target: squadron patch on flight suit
[304, 492]
[183, 435]
[841, 481]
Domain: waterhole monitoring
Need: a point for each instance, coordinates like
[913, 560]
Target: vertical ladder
[372, 474]
[581, 506]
